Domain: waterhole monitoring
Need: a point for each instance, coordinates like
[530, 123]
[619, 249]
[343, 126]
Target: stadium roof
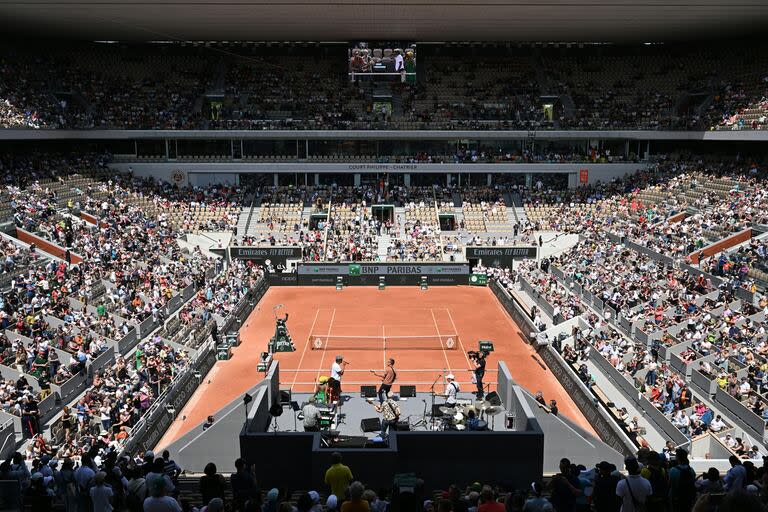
[419, 20]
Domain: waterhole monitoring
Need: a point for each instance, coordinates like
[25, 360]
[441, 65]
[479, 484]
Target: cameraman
[478, 358]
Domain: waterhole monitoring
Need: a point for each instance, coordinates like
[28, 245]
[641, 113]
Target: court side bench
[520, 302]
[613, 410]
[616, 413]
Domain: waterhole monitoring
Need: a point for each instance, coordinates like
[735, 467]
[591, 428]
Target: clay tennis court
[366, 325]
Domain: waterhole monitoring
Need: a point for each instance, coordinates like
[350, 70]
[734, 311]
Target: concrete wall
[46, 246]
[225, 172]
[722, 245]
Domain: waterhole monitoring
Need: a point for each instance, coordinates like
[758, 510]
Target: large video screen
[395, 62]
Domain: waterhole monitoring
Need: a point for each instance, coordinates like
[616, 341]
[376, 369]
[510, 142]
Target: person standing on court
[334, 383]
[386, 380]
[479, 371]
[451, 388]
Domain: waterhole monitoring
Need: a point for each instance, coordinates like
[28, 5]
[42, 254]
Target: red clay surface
[467, 314]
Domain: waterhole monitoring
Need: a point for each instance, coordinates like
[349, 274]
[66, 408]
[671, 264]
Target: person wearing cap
[101, 494]
[243, 484]
[332, 503]
[321, 389]
[537, 502]
[634, 489]
[451, 389]
[273, 503]
[311, 415]
[604, 496]
[38, 496]
[655, 473]
[314, 498]
[682, 483]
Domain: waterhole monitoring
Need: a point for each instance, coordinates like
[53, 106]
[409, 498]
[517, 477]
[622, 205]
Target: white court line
[441, 339]
[311, 329]
[456, 331]
[384, 340]
[227, 413]
[328, 336]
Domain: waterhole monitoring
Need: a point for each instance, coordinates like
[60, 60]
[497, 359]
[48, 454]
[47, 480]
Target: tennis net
[431, 342]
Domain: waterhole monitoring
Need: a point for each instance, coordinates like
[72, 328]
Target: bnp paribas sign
[375, 269]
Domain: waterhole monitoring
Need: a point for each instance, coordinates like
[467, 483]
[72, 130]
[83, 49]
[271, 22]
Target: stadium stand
[611, 196]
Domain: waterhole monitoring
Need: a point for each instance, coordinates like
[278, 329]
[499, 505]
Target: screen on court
[392, 61]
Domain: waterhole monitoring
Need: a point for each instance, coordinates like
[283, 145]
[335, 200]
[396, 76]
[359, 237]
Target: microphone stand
[432, 392]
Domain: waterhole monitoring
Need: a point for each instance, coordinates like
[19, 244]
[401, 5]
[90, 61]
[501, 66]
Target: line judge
[387, 379]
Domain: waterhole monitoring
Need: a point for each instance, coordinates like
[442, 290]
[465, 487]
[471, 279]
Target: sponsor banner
[277, 255]
[501, 256]
[478, 280]
[389, 280]
[357, 270]
[281, 279]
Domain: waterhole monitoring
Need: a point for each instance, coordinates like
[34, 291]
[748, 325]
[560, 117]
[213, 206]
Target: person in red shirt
[488, 501]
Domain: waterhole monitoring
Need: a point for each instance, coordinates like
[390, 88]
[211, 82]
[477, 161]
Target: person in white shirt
[337, 372]
[451, 388]
[633, 490]
[744, 387]
[717, 424]
[400, 64]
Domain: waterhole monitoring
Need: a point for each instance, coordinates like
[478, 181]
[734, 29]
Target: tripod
[295, 408]
[432, 392]
[423, 421]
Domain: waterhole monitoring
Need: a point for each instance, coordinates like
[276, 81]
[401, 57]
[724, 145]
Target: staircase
[243, 220]
[400, 221]
[518, 211]
[458, 215]
[382, 249]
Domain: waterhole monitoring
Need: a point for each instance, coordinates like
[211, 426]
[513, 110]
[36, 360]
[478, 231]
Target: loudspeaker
[368, 391]
[370, 425]
[407, 391]
[403, 426]
[493, 398]
[436, 412]
[350, 442]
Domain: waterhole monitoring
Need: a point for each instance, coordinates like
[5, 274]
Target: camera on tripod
[475, 354]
